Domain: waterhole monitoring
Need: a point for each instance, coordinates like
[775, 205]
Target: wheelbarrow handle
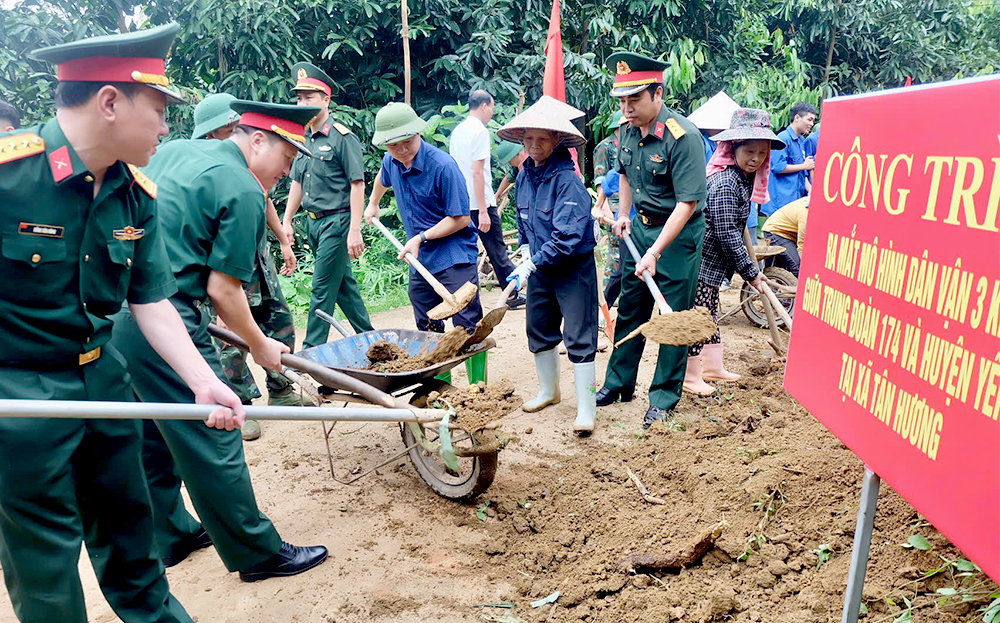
[321, 373]
[336, 323]
[661, 302]
[412, 261]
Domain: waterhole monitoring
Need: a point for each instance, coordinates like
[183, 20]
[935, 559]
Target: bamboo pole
[406, 51]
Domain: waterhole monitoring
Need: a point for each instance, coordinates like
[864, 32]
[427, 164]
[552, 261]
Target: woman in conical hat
[562, 288]
[737, 175]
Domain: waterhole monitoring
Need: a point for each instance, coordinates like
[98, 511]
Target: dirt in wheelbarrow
[387, 356]
[563, 514]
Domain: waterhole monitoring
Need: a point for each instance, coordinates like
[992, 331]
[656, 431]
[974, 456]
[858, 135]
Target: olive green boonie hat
[213, 113]
[395, 123]
[507, 151]
[135, 57]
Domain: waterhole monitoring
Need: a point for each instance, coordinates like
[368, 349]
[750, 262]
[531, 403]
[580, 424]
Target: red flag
[554, 83]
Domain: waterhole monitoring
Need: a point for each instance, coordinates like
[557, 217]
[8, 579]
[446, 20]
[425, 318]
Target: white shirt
[470, 141]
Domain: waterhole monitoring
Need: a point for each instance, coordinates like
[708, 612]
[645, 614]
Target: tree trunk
[406, 52]
[829, 53]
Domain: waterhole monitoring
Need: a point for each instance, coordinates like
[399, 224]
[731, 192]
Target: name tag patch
[35, 229]
[129, 233]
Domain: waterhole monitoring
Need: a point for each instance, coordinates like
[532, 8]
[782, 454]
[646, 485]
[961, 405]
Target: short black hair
[803, 109]
[73, 94]
[249, 130]
[479, 98]
[9, 116]
[652, 89]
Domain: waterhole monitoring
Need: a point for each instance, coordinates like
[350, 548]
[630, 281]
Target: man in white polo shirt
[470, 147]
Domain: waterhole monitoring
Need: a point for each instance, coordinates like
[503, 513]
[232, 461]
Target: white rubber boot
[547, 366]
[693, 381]
[586, 397]
[712, 367]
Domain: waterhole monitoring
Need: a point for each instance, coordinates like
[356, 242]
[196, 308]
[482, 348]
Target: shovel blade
[463, 298]
[681, 328]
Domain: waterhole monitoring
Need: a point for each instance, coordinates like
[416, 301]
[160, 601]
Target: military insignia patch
[129, 233]
[324, 148]
[326, 128]
[302, 75]
[675, 129]
[656, 158]
[61, 165]
[658, 132]
[622, 68]
[35, 229]
[143, 181]
[20, 146]
[343, 129]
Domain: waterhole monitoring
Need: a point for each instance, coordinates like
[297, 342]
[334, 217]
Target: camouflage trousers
[613, 257]
[272, 315]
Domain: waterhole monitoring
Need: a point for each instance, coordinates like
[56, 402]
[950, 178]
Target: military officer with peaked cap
[79, 235]
[211, 202]
[661, 159]
[330, 186]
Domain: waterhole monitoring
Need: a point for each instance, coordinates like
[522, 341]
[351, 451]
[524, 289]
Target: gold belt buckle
[645, 219]
[312, 215]
[89, 356]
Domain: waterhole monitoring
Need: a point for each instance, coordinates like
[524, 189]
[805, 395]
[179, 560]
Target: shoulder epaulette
[20, 146]
[143, 181]
[343, 129]
[675, 128]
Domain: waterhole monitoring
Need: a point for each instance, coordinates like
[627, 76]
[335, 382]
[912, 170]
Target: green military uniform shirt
[68, 258]
[326, 177]
[664, 167]
[211, 178]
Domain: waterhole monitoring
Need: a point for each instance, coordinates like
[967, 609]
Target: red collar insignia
[62, 166]
[326, 129]
[660, 128]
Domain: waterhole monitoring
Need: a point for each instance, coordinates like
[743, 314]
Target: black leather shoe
[290, 560]
[193, 543]
[516, 302]
[607, 396]
[655, 414]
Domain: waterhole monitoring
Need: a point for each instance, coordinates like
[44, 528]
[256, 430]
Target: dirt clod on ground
[478, 405]
[680, 559]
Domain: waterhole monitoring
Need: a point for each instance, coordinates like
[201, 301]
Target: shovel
[492, 318]
[683, 328]
[450, 303]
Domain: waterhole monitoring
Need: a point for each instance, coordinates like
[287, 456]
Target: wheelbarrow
[476, 459]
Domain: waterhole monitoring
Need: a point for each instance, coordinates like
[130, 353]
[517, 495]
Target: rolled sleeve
[687, 168]
[352, 159]
[152, 279]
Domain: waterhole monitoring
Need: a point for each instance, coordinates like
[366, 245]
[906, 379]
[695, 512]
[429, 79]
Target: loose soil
[386, 356]
[479, 405]
[681, 328]
[563, 515]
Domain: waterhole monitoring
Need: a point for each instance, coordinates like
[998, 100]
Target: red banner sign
[896, 347]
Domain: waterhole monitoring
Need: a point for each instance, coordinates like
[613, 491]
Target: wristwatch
[423, 237]
[653, 253]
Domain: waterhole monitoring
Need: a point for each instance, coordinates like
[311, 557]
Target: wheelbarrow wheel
[475, 470]
[753, 308]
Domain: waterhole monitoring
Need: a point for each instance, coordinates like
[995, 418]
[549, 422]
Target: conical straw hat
[547, 113]
[714, 114]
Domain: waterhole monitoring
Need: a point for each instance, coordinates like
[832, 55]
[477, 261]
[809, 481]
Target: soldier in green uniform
[79, 235]
[267, 302]
[331, 188]
[211, 203]
[662, 164]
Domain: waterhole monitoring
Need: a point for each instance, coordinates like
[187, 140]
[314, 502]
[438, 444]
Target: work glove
[522, 272]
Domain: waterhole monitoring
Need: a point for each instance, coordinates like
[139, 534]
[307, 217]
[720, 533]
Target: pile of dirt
[387, 356]
[479, 405]
[751, 457]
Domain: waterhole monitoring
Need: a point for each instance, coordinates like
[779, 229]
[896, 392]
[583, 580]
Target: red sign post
[896, 346]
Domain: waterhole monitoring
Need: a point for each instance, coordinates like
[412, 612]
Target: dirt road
[562, 515]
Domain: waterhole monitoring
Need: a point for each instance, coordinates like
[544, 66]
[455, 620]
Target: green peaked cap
[286, 120]
[634, 72]
[136, 57]
[213, 113]
[309, 77]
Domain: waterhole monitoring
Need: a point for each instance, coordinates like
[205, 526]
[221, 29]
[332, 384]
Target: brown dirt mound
[751, 456]
[390, 357]
[682, 328]
[480, 404]
[383, 350]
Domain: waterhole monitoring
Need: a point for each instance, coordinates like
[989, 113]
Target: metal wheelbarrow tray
[348, 355]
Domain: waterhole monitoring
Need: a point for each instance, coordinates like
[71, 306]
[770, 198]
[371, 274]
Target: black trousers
[614, 287]
[493, 242]
[424, 298]
[790, 260]
[564, 295]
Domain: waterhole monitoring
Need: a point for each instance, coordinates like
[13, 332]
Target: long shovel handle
[661, 302]
[507, 292]
[336, 323]
[321, 373]
[772, 324]
[412, 261]
[778, 307]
